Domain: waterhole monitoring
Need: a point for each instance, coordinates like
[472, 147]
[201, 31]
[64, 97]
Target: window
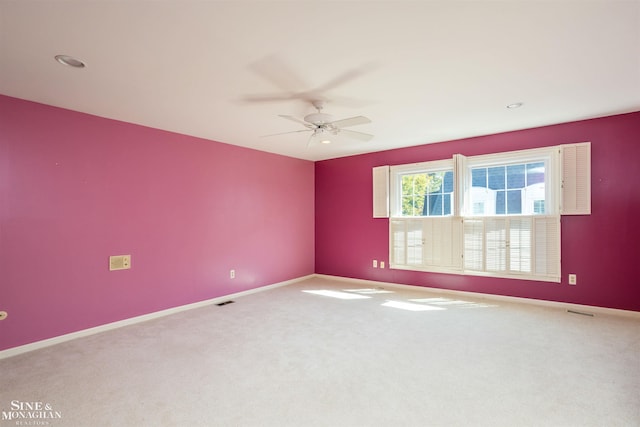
[514, 183]
[423, 189]
[508, 189]
[424, 232]
[512, 225]
[495, 215]
[427, 193]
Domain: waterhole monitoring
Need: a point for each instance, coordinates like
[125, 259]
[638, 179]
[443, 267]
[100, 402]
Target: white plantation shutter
[547, 246]
[443, 242]
[398, 239]
[496, 244]
[381, 192]
[576, 179]
[523, 246]
[430, 244]
[414, 242]
[462, 191]
[407, 241]
[474, 244]
[520, 244]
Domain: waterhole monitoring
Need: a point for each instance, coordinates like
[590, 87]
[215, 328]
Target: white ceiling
[422, 71]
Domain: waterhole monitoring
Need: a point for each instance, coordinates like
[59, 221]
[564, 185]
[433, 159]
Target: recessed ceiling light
[515, 105]
[325, 141]
[70, 61]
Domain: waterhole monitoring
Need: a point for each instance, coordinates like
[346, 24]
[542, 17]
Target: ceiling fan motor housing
[318, 118]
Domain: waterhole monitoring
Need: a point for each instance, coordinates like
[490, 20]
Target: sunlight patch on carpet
[336, 294]
[410, 306]
[452, 302]
[369, 291]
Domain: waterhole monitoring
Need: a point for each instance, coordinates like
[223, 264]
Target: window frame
[462, 210]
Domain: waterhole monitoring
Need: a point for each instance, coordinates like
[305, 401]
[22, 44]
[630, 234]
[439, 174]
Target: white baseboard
[587, 309]
[369, 283]
[119, 324]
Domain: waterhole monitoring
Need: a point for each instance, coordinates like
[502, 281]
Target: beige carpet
[285, 357]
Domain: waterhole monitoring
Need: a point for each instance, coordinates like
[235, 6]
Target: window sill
[477, 273]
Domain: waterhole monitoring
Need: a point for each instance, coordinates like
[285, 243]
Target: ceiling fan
[323, 127]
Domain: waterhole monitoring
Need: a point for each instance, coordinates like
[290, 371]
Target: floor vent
[580, 312]
[224, 303]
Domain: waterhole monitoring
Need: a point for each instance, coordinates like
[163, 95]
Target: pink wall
[602, 248]
[76, 188]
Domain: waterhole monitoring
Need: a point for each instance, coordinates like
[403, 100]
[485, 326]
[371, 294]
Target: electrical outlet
[375, 263]
[381, 264]
[119, 262]
[573, 279]
[232, 274]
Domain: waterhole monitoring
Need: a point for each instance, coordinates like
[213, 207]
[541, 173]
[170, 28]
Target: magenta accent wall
[76, 188]
[601, 248]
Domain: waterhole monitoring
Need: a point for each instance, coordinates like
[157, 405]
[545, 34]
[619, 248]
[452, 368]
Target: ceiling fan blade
[269, 97]
[281, 75]
[302, 122]
[285, 133]
[311, 141]
[344, 78]
[304, 97]
[350, 102]
[357, 135]
[352, 121]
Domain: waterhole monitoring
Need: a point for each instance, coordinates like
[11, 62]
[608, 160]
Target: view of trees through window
[427, 194]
